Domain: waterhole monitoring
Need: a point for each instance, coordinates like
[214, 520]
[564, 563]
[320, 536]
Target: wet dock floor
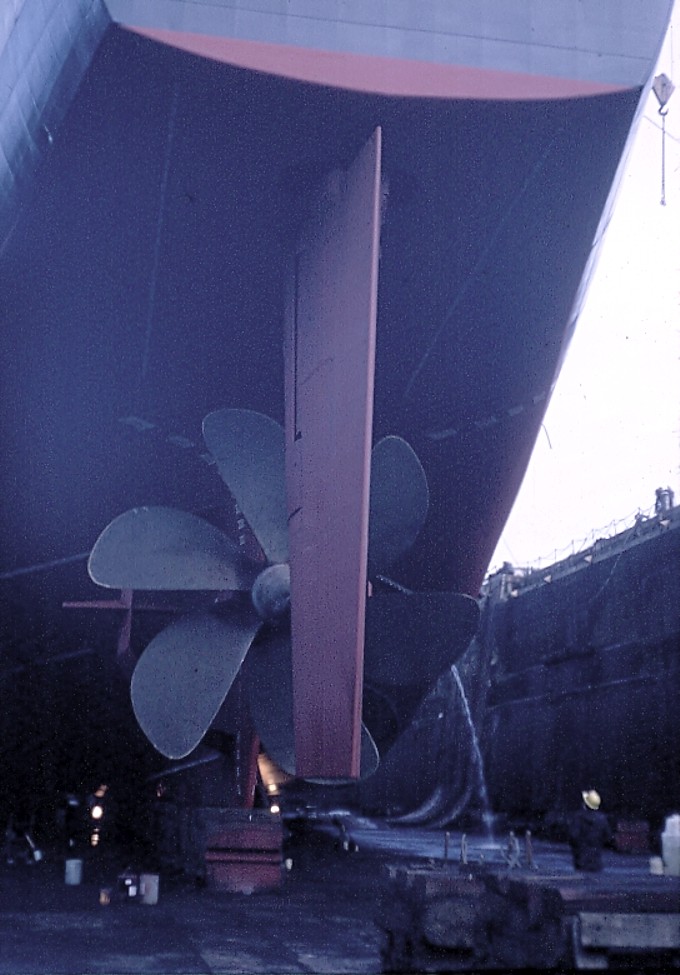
[327, 916]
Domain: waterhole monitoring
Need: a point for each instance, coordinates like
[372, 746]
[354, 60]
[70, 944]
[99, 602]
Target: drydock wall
[585, 679]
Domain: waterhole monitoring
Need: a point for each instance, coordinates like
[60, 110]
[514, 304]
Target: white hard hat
[591, 799]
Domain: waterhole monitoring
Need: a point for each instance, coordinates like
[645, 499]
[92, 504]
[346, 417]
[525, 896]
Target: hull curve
[377, 74]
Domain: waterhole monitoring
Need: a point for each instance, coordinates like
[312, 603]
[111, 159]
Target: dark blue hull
[149, 267]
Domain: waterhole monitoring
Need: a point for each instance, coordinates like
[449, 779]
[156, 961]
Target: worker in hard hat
[589, 833]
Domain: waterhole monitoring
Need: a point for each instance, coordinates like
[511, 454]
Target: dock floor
[328, 916]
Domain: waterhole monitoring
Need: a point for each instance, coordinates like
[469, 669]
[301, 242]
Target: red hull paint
[375, 74]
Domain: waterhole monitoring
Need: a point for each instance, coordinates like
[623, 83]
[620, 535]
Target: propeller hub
[271, 591]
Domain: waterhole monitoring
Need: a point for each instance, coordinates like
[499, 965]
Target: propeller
[184, 675]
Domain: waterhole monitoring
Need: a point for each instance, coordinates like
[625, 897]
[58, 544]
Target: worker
[589, 833]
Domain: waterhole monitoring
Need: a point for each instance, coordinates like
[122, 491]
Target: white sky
[612, 430]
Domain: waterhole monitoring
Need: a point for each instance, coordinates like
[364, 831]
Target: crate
[246, 855]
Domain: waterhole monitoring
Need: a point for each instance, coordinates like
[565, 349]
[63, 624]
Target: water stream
[478, 761]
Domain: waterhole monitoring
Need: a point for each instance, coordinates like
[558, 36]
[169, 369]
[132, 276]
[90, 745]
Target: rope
[42, 566]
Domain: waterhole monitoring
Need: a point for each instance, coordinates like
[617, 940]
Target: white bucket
[656, 866]
[148, 888]
[73, 873]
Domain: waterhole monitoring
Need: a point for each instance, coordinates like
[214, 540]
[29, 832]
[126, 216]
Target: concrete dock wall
[584, 687]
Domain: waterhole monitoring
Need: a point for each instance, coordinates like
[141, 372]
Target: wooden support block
[658, 932]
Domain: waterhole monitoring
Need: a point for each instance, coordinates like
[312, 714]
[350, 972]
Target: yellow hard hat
[591, 799]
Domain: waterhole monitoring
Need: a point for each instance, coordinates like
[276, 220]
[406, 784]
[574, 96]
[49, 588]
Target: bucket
[670, 846]
[656, 866]
[73, 872]
[148, 888]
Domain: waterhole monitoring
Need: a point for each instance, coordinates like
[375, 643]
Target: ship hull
[179, 183]
[166, 214]
[482, 249]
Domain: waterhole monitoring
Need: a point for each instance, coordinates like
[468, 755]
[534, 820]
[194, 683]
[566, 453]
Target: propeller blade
[161, 548]
[184, 675]
[248, 448]
[411, 639]
[398, 502]
[270, 678]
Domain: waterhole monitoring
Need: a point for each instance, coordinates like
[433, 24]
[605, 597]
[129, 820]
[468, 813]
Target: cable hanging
[663, 88]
